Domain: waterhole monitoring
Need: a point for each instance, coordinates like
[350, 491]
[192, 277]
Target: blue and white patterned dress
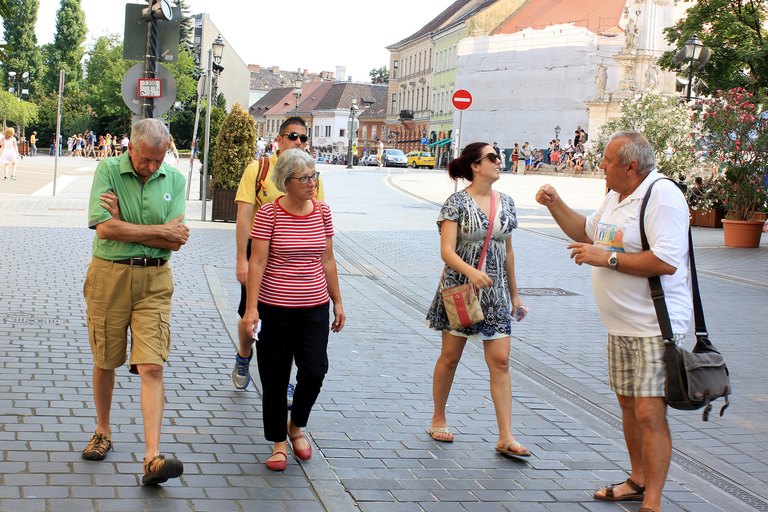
[472, 230]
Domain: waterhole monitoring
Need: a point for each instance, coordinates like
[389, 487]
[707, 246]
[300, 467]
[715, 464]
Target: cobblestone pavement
[372, 451]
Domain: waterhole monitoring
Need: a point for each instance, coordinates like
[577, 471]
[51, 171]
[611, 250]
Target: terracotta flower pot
[742, 233]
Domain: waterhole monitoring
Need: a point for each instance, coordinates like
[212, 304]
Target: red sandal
[277, 465]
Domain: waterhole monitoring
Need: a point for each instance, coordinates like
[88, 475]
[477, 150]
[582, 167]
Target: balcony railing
[406, 114]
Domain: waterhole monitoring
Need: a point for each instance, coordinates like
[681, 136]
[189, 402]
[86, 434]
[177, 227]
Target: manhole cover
[545, 292]
[31, 320]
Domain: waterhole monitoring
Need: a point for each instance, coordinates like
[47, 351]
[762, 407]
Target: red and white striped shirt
[294, 275]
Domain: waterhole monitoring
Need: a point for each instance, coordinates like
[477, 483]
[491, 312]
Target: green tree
[187, 26]
[106, 69]
[183, 72]
[235, 148]
[380, 75]
[23, 54]
[666, 124]
[735, 31]
[15, 111]
[217, 119]
[66, 52]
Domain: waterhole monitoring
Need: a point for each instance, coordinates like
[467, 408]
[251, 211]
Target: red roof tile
[596, 16]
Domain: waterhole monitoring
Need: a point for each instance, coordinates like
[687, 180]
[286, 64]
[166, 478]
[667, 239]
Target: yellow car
[420, 159]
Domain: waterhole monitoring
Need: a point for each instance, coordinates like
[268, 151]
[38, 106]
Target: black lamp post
[297, 93]
[693, 48]
[557, 132]
[696, 55]
[218, 51]
[351, 130]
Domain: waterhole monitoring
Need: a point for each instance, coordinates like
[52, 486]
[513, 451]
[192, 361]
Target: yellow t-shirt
[246, 191]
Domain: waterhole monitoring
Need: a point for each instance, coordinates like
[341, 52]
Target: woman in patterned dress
[463, 225]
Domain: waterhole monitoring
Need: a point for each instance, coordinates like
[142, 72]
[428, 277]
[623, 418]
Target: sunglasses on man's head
[492, 157]
[293, 136]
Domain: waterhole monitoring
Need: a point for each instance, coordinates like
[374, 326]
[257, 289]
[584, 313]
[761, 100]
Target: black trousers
[243, 291]
[288, 334]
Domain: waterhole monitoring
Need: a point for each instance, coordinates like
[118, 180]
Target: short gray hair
[151, 132]
[636, 148]
[288, 163]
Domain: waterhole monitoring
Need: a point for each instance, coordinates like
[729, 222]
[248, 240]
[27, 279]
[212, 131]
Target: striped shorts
[636, 365]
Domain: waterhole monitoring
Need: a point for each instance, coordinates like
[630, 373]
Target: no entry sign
[462, 99]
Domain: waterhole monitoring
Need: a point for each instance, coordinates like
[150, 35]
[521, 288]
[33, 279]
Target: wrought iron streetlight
[697, 55]
[218, 50]
[214, 69]
[297, 93]
[351, 128]
[557, 132]
[15, 87]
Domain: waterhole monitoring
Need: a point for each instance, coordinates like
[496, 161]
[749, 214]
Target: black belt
[143, 262]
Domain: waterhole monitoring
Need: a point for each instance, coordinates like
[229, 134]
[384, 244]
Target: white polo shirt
[624, 301]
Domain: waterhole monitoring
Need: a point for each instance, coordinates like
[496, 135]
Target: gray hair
[288, 163]
[636, 148]
[151, 132]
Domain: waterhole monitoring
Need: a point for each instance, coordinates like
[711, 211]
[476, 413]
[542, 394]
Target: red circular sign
[462, 99]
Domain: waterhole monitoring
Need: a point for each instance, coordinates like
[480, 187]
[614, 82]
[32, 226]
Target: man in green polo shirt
[137, 209]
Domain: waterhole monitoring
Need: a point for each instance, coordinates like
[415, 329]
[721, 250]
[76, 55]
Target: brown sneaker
[98, 447]
[159, 469]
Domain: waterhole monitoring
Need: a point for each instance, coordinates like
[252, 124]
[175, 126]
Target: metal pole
[350, 128]
[457, 149]
[194, 134]
[690, 79]
[150, 65]
[58, 131]
[208, 107]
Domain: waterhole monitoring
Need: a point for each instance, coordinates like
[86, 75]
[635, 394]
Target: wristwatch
[613, 261]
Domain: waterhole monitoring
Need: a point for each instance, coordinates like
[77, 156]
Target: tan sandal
[507, 449]
[441, 430]
[638, 495]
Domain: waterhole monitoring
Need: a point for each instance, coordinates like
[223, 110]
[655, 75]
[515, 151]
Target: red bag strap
[490, 229]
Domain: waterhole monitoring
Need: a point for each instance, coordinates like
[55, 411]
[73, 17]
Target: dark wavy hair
[462, 167]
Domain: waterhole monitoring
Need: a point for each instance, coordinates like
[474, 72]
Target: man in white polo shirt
[609, 241]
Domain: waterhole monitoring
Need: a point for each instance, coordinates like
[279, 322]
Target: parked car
[322, 160]
[420, 159]
[394, 158]
[368, 160]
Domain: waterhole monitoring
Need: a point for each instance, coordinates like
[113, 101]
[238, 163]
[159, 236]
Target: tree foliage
[66, 52]
[735, 31]
[106, 69]
[379, 76]
[667, 125]
[235, 148]
[17, 111]
[22, 52]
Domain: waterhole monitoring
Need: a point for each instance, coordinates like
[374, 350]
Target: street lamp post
[217, 48]
[217, 68]
[557, 132]
[351, 130]
[297, 93]
[693, 49]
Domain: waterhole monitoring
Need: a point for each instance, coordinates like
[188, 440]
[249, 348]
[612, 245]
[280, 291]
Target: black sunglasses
[492, 157]
[293, 136]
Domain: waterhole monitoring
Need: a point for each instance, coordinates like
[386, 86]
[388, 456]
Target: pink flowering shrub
[735, 133]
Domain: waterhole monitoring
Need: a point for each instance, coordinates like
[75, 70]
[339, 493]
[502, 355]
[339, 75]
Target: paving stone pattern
[368, 428]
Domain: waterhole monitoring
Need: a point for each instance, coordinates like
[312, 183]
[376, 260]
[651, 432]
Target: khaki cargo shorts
[120, 296]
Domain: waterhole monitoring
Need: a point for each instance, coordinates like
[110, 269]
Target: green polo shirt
[159, 200]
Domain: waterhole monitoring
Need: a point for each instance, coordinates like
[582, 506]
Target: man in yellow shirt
[252, 194]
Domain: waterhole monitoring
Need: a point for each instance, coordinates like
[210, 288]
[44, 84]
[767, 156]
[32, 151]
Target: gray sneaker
[241, 376]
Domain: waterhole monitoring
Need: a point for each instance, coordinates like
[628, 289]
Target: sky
[314, 35]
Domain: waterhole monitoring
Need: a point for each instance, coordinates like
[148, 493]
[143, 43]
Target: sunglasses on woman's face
[293, 136]
[492, 157]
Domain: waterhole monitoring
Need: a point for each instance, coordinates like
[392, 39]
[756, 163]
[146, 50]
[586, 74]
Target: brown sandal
[638, 495]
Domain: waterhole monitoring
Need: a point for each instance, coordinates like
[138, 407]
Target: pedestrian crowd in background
[569, 157]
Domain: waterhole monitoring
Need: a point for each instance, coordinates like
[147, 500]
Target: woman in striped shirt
[292, 278]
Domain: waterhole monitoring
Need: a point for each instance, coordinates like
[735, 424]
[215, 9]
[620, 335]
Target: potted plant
[735, 131]
[235, 149]
[706, 209]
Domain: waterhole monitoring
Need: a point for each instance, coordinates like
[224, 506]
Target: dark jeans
[287, 334]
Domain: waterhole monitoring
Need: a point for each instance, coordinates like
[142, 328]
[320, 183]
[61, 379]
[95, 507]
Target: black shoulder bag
[693, 379]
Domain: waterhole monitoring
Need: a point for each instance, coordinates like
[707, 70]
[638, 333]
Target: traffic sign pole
[461, 99]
